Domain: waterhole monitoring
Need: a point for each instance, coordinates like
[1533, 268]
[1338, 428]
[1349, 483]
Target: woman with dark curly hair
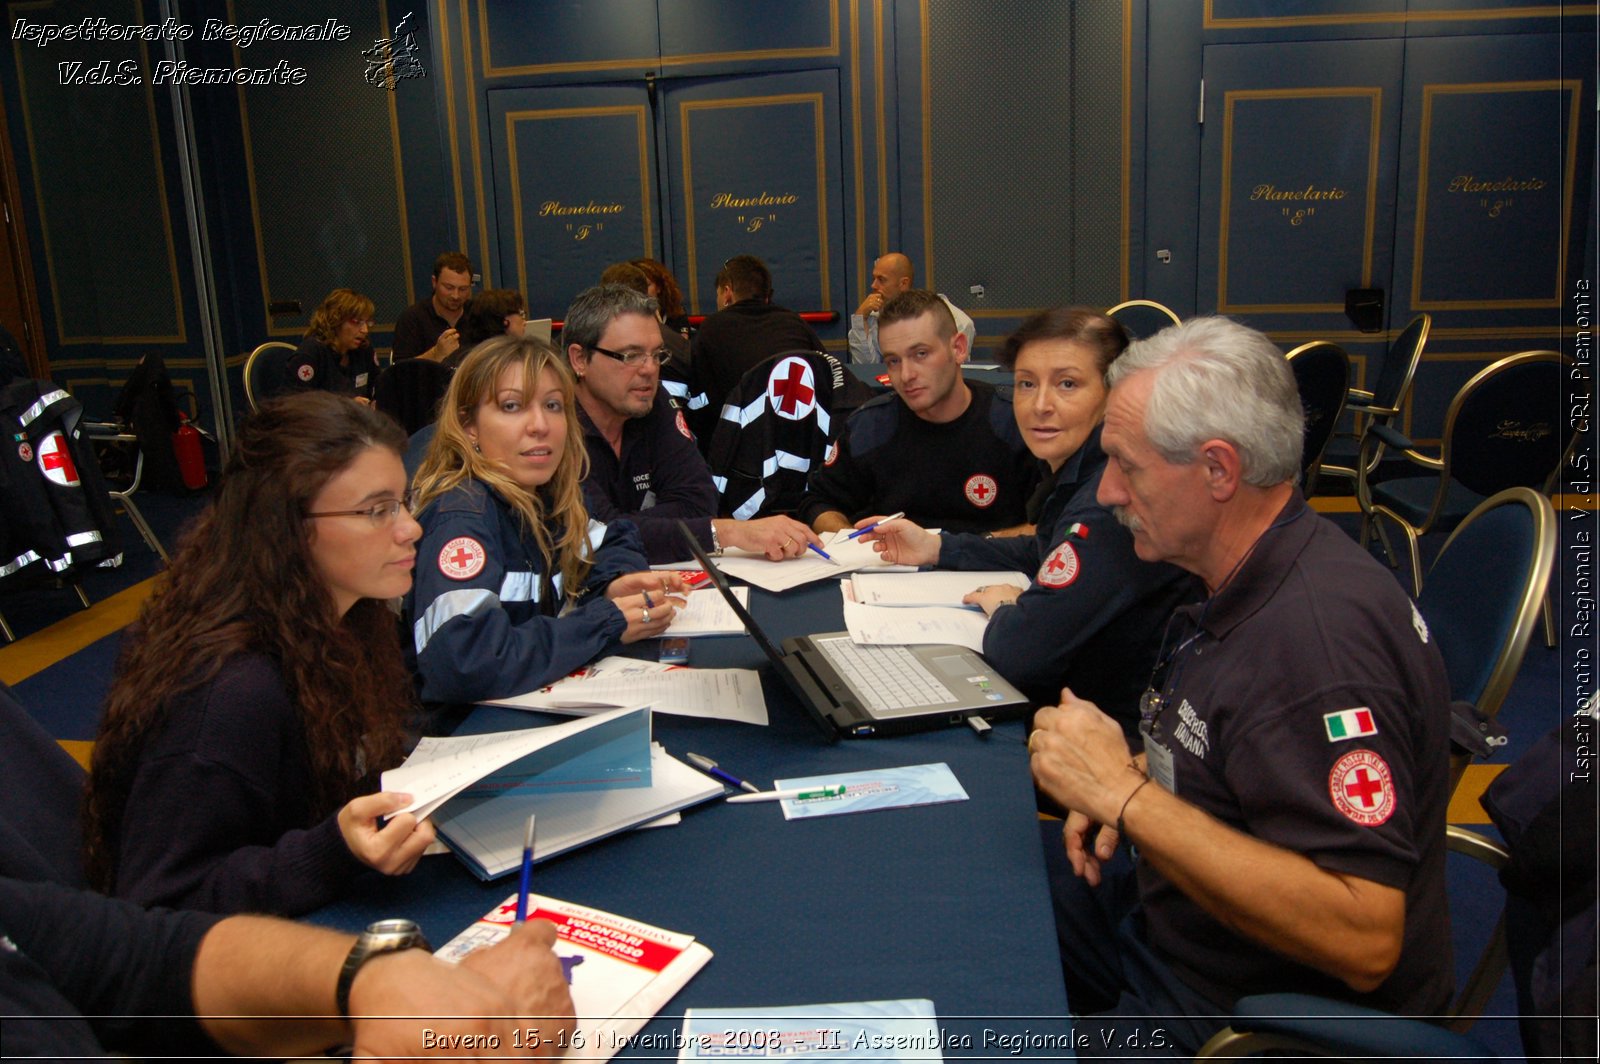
[264, 687]
[665, 291]
[336, 355]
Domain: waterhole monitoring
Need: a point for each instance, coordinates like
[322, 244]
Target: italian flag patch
[1079, 529]
[1349, 724]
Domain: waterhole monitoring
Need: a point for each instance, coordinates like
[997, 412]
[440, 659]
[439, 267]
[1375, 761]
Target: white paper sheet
[717, 694]
[910, 625]
[708, 613]
[848, 555]
[939, 587]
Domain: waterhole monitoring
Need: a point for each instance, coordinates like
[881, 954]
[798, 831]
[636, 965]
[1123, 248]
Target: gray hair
[594, 308]
[1217, 379]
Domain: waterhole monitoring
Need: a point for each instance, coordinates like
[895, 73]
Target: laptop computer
[861, 691]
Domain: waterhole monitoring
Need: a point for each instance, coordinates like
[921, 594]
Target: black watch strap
[384, 936]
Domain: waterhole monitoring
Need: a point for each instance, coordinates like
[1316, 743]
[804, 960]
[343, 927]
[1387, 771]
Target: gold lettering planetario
[555, 208]
[1310, 192]
[1470, 183]
[765, 199]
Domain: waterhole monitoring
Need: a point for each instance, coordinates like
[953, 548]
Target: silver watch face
[392, 927]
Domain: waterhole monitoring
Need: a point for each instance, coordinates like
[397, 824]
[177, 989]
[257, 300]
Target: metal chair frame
[1370, 510]
[1313, 468]
[249, 366]
[1145, 304]
[1370, 411]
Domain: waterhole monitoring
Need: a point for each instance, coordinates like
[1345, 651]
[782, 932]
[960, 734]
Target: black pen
[709, 767]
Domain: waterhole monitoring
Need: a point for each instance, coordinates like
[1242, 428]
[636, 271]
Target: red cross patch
[981, 490]
[462, 558]
[1060, 568]
[791, 389]
[833, 453]
[1362, 788]
[25, 451]
[683, 426]
[305, 372]
[55, 462]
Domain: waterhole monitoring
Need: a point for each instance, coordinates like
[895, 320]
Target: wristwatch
[384, 936]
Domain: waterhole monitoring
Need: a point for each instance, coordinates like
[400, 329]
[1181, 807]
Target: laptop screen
[772, 652]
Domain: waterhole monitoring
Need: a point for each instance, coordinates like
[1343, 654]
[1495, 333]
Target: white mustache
[1126, 519]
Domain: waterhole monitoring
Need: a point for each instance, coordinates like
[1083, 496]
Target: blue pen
[820, 551]
[527, 872]
[868, 528]
[710, 768]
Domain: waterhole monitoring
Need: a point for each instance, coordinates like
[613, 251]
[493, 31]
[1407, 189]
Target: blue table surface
[948, 902]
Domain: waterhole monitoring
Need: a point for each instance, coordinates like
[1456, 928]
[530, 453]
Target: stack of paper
[911, 625]
[621, 971]
[607, 750]
[718, 694]
[706, 612]
[487, 833]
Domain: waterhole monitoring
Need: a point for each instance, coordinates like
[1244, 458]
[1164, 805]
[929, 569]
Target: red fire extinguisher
[191, 460]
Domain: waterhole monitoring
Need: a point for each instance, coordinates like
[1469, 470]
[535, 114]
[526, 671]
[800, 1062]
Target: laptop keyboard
[886, 677]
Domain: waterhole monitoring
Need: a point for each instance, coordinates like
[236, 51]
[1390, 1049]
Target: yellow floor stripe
[66, 637]
[79, 749]
[1464, 805]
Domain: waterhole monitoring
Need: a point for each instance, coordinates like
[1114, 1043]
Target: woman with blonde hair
[516, 586]
[336, 355]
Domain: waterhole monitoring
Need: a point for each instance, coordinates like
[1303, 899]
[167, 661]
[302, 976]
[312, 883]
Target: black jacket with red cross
[1093, 614]
[973, 474]
[58, 515]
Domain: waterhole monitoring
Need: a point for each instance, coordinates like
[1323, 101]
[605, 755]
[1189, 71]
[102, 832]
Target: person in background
[891, 275]
[1092, 613]
[665, 291]
[516, 586]
[336, 355]
[428, 328]
[495, 312]
[263, 688]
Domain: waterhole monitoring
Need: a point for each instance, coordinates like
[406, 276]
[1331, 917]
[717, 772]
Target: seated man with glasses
[643, 462]
[336, 355]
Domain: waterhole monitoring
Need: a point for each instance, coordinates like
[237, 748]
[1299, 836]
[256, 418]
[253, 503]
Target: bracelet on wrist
[1122, 832]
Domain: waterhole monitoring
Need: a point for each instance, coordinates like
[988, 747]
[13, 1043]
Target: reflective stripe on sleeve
[463, 603]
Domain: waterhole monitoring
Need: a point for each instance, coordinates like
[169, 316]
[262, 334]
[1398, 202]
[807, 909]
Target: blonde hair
[452, 460]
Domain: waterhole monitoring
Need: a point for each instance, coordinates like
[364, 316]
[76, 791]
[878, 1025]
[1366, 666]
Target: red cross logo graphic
[56, 463]
[1060, 568]
[1362, 788]
[462, 558]
[1365, 788]
[791, 389]
[981, 490]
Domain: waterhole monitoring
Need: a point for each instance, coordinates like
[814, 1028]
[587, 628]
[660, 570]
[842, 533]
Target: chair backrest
[410, 391]
[264, 371]
[1400, 363]
[1482, 596]
[1322, 375]
[1508, 425]
[1142, 317]
[776, 426]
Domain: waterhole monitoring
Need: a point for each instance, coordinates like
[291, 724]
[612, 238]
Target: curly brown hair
[243, 582]
[668, 294]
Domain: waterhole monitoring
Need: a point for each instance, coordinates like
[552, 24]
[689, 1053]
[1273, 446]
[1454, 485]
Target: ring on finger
[644, 615]
[1031, 744]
